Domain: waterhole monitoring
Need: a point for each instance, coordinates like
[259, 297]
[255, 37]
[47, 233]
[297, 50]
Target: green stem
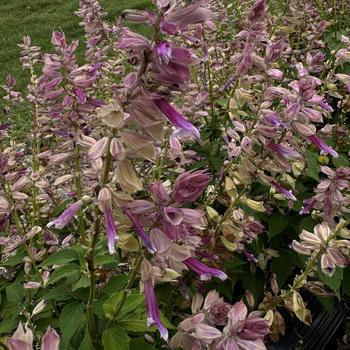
[228, 211]
[35, 153]
[79, 190]
[4, 346]
[90, 257]
[21, 230]
[311, 264]
[128, 287]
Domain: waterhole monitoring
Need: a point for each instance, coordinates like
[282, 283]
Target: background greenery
[38, 18]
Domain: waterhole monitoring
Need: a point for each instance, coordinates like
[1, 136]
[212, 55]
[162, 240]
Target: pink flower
[189, 186]
[22, 339]
[243, 331]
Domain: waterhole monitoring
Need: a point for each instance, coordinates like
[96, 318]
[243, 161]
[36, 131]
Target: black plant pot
[327, 331]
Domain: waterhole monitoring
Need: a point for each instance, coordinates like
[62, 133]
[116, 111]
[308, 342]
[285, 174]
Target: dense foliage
[180, 189]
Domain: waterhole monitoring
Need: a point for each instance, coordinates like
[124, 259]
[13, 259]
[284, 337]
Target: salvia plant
[181, 189]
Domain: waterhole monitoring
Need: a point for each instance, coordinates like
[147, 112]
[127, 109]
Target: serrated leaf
[62, 257]
[116, 283]
[57, 293]
[115, 338]
[70, 318]
[63, 272]
[277, 224]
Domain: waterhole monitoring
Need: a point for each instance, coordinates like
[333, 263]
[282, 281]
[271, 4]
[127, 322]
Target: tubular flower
[67, 216]
[189, 186]
[152, 309]
[323, 238]
[105, 204]
[183, 127]
[287, 193]
[323, 147]
[205, 272]
[140, 231]
[22, 339]
[244, 331]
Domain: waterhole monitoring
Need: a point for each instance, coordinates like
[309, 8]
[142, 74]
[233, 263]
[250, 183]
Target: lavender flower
[111, 229]
[163, 50]
[140, 231]
[67, 216]
[203, 270]
[105, 204]
[152, 309]
[284, 151]
[287, 193]
[184, 127]
[324, 148]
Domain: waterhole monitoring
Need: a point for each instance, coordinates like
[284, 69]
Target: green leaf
[86, 344]
[134, 325]
[334, 281]
[115, 338]
[346, 281]
[132, 302]
[83, 282]
[62, 257]
[111, 304]
[341, 161]
[65, 271]
[277, 224]
[283, 265]
[313, 167]
[16, 259]
[116, 283]
[57, 294]
[328, 303]
[254, 282]
[15, 293]
[6, 326]
[140, 343]
[70, 318]
[104, 259]
[307, 223]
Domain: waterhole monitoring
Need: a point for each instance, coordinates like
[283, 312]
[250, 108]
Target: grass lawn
[38, 18]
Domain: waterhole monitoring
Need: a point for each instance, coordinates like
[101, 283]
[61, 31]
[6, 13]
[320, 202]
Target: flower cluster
[167, 162]
[240, 329]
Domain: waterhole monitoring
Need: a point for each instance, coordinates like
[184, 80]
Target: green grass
[38, 18]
